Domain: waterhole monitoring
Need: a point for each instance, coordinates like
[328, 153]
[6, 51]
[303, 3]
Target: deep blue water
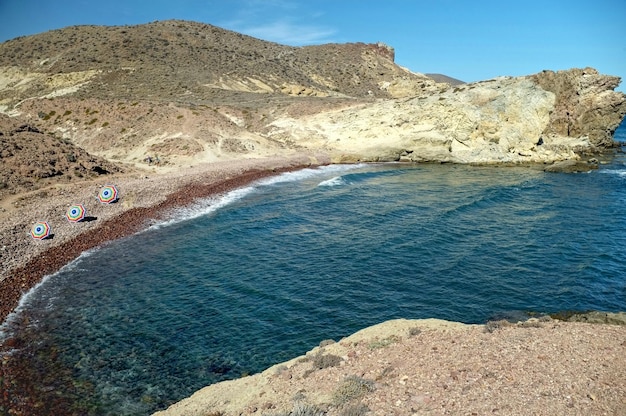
[236, 284]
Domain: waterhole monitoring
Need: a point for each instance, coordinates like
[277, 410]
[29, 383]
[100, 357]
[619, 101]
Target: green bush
[49, 115]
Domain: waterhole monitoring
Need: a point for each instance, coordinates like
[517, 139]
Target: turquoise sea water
[238, 283]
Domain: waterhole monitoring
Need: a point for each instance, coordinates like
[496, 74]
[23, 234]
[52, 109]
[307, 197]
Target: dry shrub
[301, 409]
[492, 326]
[352, 387]
[414, 331]
[381, 343]
[358, 409]
[324, 361]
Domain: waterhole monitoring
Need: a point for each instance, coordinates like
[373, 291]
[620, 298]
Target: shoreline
[206, 181]
[28, 273]
[438, 345]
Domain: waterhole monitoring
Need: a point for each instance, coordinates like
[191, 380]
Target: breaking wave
[336, 181]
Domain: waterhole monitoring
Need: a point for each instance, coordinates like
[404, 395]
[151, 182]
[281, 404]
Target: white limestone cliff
[503, 120]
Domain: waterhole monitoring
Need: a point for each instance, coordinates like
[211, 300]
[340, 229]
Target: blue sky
[465, 39]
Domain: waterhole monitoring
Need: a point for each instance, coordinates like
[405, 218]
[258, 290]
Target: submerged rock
[572, 166]
[593, 317]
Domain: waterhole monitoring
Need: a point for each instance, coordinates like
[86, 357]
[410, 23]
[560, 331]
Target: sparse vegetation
[531, 323]
[492, 326]
[302, 409]
[357, 409]
[49, 115]
[352, 387]
[321, 361]
[414, 331]
[381, 343]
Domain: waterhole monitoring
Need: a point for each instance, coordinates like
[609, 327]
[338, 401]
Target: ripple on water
[233, 285]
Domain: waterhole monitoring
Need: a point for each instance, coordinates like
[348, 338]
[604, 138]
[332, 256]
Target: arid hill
[185, 93]
[190, 62]
[179, 91]
[30, 158]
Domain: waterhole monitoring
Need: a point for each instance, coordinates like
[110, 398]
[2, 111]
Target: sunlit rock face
[586, 104]
[503, 120]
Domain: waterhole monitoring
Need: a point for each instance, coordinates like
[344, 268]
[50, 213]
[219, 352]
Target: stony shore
[146, 197]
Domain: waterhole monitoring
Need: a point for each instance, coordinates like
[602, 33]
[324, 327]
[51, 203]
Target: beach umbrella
[75, 213]
[40, 230]
[108, 194]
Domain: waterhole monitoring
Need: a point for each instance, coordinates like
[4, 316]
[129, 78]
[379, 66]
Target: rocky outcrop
[585, 104]
[31, 159]
[573, 166]
[403, 367]
[503, 120]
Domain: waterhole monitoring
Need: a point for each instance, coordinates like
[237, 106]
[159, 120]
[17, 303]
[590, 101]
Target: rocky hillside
[504, 120]
[192, 62]
[180, 92]
[32, 159]
[186, 93]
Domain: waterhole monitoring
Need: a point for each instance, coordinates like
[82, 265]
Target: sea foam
[336, 181]
[12, 318]
[206, 206]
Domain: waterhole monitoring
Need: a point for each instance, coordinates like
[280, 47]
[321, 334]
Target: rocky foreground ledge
[409, 367]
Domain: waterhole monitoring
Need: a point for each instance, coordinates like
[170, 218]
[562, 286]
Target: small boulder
[572, 166]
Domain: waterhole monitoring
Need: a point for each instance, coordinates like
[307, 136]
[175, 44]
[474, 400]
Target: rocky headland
[175, 110]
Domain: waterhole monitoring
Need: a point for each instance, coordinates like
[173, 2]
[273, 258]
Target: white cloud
[289, 33]
[275, 21]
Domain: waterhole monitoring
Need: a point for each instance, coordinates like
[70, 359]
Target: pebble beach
[145, 198]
